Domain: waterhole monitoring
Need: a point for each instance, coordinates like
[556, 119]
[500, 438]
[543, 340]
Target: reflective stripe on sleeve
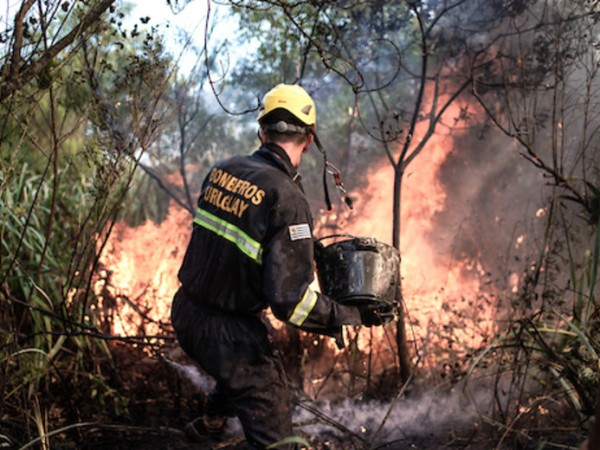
[304, 307]
[230, 232]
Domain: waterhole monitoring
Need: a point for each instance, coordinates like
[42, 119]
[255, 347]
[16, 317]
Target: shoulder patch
[300, 231]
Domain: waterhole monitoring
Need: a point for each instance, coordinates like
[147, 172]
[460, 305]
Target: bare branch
[21, 74]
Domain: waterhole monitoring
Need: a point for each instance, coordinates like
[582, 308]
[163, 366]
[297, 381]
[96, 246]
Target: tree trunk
[404, 358]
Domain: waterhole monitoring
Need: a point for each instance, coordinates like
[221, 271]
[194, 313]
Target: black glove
[376, 313]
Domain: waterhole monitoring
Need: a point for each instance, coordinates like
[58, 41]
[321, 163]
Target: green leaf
[290, 440]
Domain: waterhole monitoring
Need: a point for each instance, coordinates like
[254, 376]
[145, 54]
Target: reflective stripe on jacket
[252, 245]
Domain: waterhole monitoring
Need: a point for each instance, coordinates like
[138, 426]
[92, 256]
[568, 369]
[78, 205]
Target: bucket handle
[320, 247]
[335, 236]
[368, 244]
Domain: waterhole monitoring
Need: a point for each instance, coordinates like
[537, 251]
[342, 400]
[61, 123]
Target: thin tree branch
[21, 74]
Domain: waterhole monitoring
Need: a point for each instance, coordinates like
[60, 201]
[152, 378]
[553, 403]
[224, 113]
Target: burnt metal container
[358, 270]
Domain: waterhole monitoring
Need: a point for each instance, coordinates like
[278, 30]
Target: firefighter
[252, 248]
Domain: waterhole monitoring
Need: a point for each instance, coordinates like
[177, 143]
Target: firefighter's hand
[376, 313]
[337, 334]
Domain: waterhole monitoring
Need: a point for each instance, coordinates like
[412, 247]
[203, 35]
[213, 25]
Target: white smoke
[427, 415]
[430, 414]
[194, 375]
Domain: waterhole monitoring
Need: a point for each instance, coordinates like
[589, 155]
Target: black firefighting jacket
[252, 245]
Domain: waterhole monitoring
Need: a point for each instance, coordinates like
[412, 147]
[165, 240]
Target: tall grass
[545, 359]
[69, 153]
[47, 308]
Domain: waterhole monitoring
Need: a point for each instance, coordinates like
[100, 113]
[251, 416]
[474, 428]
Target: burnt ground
[153, 400]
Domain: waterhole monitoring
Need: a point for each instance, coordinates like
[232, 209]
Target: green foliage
[70, 144]
[289, 440]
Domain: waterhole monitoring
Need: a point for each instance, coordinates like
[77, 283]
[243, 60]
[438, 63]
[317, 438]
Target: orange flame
[142, 263]
[438, 291]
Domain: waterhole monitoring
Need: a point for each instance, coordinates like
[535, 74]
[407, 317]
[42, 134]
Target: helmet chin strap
[330, 169]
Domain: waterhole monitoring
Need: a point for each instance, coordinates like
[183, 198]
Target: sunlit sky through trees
[175, 24]
[184, 28]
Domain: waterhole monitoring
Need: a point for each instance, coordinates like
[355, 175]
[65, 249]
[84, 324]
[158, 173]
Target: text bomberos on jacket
[224, 185]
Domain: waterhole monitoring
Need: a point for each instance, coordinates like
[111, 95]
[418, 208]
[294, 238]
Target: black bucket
[358, 270]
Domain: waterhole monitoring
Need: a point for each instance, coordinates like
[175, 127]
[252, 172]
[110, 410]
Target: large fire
[440, 293]
[141, 266]
[438, 290]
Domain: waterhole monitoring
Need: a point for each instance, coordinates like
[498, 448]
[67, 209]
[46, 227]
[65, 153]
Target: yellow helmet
[293, 99]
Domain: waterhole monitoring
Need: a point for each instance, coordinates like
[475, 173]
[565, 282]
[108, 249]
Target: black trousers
[237, 353]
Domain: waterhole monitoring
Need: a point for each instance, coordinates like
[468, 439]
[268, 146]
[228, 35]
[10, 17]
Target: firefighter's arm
[288, 275]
